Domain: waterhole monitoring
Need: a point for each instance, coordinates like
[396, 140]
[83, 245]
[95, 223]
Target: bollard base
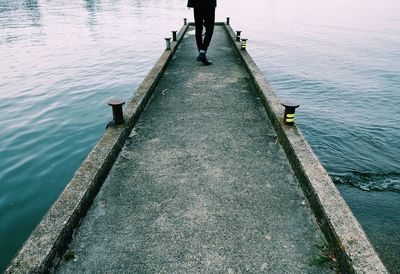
[114, 124]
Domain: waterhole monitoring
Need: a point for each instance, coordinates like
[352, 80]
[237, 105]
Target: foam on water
[370, 182]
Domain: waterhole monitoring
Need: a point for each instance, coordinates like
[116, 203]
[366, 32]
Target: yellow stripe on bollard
[244, 44]
[288, 116]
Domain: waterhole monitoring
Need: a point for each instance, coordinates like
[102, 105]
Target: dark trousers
[204, 17]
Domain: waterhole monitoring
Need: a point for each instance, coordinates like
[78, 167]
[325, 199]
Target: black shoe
[203, 58]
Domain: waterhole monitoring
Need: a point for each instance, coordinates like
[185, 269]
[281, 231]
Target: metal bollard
[288, 116]
[118, 116]
[228, 20]
[167, 43]
[174, 35]
[185, 21]
[238, 33]
[244, 44]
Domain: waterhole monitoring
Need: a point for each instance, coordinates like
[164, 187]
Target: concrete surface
[202, 185]
[353, 250]
[48, 242]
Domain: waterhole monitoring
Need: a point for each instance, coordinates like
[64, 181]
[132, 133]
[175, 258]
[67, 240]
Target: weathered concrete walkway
[201, 186]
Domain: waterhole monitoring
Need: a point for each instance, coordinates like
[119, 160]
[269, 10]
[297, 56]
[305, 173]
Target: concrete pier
[203, 177]
[202, 186]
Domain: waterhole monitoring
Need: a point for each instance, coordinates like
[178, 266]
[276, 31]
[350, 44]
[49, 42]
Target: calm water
[60, 61]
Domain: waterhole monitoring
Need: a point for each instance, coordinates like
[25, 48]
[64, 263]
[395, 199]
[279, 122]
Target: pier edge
[46, 245]
[355, 253]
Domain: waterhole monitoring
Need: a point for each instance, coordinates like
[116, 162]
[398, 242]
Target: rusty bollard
[185, 21]
[228, 20]
[174, 35]
[118, 116]
[288, 116]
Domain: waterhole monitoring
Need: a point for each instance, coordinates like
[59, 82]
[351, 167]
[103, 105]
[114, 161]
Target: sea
[61, 61]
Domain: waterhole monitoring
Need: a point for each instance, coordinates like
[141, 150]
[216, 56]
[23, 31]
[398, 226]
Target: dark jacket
[202, 3]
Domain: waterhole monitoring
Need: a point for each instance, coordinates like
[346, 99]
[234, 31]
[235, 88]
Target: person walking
[204, 16]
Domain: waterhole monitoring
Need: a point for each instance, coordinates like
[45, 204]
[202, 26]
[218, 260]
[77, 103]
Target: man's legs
[209, 21]
[198, 21]
[204, 17]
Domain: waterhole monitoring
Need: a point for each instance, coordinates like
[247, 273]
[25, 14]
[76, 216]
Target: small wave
[369, 181]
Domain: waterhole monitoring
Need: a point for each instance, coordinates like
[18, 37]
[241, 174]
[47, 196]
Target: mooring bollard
[118, 116]
[244, 44]
[168, 43]
[288, 116]
[228, 20]
[185, 21]
[174, 35]
[238, 33]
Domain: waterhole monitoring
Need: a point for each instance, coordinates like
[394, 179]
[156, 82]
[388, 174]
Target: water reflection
[31, 4]
[19, 15]
[33, 11]
[91, 8]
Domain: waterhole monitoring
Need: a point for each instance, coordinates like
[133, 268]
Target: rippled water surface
[60, 61]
